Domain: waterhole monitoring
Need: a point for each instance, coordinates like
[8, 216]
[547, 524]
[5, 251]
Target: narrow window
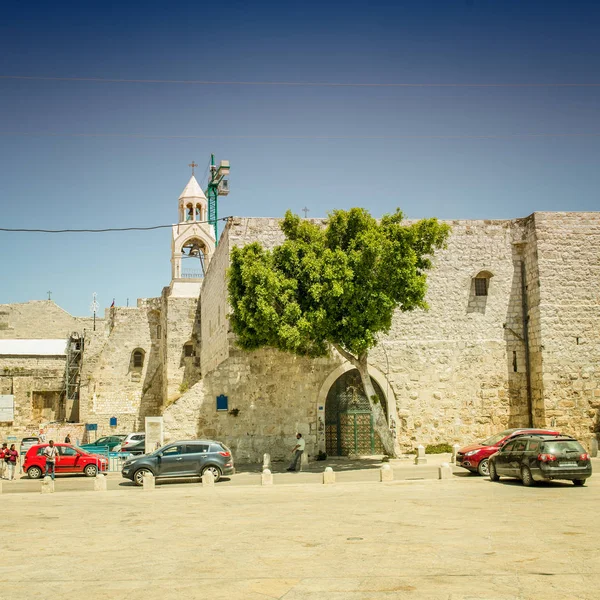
[188, 350]
[514, 361]
[138, 359]
[158, 332]
[481, 286]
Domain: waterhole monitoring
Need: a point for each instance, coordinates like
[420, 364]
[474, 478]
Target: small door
[516, 456]
[172, 461]
[196, 456]
[501, 460]
[67, 460]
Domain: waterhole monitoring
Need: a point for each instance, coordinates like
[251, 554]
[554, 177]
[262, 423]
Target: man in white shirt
[298, 450]
[52, 457]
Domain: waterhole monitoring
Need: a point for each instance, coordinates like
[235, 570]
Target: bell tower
[192, 242]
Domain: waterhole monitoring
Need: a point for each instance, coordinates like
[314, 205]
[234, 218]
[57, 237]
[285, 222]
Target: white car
[134, 443]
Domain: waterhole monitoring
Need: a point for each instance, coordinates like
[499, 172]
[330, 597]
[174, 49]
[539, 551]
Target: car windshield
[561, 446]
[492, 441]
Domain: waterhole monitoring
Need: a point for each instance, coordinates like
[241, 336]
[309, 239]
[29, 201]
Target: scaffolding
[75, 344]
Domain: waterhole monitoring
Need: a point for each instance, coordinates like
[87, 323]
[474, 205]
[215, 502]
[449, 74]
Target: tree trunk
[381, 424]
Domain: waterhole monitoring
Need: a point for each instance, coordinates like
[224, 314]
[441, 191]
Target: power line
[299, 137]
[23, 230]
[296, 83]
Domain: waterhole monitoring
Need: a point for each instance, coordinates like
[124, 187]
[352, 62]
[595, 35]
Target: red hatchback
[475, 457]
[71, 460]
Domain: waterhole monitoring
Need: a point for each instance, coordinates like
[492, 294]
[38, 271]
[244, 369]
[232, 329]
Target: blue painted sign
[222, 402]
[91, 426]
[113, 421]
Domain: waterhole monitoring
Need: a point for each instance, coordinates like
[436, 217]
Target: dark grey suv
[190, 458]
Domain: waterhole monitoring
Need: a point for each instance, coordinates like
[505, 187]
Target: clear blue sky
[66, 181]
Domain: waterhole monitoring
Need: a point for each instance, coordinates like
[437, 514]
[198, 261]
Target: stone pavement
[464, 538]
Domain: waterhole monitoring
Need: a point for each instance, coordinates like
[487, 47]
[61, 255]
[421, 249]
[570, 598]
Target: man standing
[52, 457]
[297, 451]
[3, 452]
[10, 457]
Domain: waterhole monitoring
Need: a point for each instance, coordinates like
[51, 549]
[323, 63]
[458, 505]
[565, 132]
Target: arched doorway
[349, 425]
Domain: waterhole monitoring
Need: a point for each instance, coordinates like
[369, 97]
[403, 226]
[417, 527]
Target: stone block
[266, 461]
[208, 480]
[266, 477]
[420, 457]
[149, 482]
[47, 485]
[386, 473]
[444, 471]
[304, 461]
[100, 483]
[328, 475]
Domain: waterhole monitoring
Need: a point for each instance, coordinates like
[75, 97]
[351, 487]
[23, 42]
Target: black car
[541, 458]
[190, 458]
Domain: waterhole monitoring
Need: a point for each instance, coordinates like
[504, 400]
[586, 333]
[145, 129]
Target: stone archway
[349, 424]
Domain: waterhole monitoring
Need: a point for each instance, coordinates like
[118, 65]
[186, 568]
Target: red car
[475, 457]
[71, 460]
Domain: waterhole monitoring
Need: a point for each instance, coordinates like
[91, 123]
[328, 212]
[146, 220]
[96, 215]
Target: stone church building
[512, 338]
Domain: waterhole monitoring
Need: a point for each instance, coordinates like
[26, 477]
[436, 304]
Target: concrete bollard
[100, 483]
[0, 486]
[328, 475]
[455, 450]
[304, 461]
[266, 477]
[386, 473]
[208, 479]
[47, 485]
[445, 471]
[149, 482]
[420, 457]
[266, 461]
[594, 448]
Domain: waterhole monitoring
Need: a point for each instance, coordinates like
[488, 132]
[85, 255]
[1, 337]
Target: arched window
[189, 213]
[481, 283]
[137, 358]
[198, 212]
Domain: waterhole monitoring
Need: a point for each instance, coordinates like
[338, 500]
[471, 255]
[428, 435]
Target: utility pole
[94, 307]
[217, 186]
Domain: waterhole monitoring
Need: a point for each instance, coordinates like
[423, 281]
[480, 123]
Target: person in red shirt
[10, 458]
[3, 451]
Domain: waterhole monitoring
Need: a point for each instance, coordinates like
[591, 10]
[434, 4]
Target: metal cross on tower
[305, 211]
[193, 165]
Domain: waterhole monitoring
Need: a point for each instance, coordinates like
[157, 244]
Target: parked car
[108, 441]
[475, 457]
[539, 458]
[71, 460]
[134, 443]
[191, 458]
[27, 442]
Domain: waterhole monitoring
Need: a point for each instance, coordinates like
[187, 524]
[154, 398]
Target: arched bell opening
[194, 256]
[349, 422]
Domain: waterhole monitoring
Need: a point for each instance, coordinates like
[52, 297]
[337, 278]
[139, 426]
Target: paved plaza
[462, 538]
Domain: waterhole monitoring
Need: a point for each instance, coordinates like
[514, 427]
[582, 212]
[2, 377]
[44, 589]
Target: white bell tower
[192, 242]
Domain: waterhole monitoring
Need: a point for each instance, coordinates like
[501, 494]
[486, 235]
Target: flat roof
[33, 347]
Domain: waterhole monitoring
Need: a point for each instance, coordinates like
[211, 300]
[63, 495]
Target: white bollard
[304, 461]
[386, 473]
[149, 483]
[0, 486]
[100, 483]
[328, 475]
[208, 479]
[420, 457]
[266, 477]
[455, 450]
[445, 471]
[266, 461]
[594, 448]
[47, 485]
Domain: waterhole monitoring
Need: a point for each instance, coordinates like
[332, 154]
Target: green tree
[333, 286]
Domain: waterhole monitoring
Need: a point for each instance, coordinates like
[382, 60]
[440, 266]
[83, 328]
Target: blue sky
[447, 151]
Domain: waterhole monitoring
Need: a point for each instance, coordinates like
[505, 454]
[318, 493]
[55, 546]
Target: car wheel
[579, 481]
[91, 471]
[214, 470]
[34, 473]
[493, 475]
[483, 469]
[526, 476]
[138, 477]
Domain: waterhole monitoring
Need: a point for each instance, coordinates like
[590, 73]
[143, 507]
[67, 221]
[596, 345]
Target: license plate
[567, 464]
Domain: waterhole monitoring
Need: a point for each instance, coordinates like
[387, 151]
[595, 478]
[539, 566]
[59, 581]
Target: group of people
[8, 461]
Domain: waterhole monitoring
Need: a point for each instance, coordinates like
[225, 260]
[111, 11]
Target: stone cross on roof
[193, 165]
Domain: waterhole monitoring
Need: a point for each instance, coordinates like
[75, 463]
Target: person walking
[52, 457]
[68, 438]
[10, 456]
[297, 451]
[3, 452]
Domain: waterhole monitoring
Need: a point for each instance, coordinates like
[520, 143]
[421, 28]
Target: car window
[40, 450]
[217, 448]
[66, 451]
[533, 446]
[196, 448]
[137, 438]
[172, 450]
[556, 447]
[507, 447]
[103, 440]
[520, 446]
